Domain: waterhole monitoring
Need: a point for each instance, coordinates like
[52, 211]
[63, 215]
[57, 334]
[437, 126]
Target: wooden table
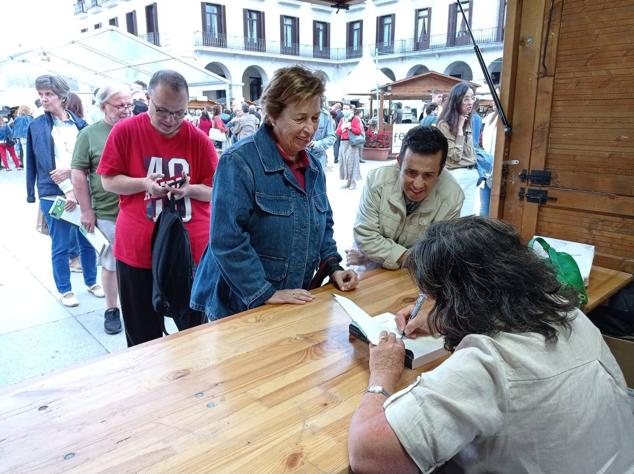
[269, 390]
[603, 283]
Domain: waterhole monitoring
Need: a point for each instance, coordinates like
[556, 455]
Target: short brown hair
[289, 84]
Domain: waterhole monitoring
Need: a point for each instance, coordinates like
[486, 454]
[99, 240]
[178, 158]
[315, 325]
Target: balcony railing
[442, 41]
[399, 47]
[215, 41]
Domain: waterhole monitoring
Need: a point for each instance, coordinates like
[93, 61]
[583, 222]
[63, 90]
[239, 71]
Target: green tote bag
[567, 269]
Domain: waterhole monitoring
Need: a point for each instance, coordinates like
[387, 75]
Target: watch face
[378, 389]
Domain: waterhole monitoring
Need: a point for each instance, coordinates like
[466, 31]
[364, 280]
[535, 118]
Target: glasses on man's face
[165, 114]
[121, 107]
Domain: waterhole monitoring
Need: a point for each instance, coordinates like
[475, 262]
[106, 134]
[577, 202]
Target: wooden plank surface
[604, 282]
[269, 390]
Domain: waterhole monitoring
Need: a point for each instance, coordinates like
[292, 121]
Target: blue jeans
[73, 251]
[61, 242]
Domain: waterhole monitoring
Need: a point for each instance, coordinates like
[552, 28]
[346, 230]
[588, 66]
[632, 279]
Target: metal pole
[487, 76]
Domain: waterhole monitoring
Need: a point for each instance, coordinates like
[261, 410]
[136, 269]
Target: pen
[419, 303]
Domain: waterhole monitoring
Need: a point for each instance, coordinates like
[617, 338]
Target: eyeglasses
[466, 100]
[121, 107]
[164, 113]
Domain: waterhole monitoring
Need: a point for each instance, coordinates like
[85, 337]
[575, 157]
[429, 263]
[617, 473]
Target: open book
[418, 351]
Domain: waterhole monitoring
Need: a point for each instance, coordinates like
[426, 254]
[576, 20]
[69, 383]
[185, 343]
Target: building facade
[246, 41]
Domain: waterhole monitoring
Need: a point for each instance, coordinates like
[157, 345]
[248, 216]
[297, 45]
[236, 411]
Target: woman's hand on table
[345, 280]
[293, 296]
[417, 326]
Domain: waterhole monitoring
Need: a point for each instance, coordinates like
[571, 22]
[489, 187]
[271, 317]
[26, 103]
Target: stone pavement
[37, 334]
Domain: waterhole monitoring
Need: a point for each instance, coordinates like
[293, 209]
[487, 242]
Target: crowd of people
[259, 227]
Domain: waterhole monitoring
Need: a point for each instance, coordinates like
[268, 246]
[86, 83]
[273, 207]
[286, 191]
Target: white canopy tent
[362, 81]
[108, 55]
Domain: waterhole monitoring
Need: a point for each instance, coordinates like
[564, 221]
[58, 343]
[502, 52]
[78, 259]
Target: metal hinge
[536, 177]
[539, 196]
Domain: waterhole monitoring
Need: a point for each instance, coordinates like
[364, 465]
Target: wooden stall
[201, 104]
[567, 169]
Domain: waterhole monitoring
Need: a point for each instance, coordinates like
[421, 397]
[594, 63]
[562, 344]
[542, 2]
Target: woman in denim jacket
[271, 223]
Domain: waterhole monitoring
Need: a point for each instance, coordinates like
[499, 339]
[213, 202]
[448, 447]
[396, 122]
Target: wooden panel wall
[578, 123]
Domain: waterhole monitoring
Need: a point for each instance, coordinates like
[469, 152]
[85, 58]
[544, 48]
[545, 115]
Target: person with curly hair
[530, 385]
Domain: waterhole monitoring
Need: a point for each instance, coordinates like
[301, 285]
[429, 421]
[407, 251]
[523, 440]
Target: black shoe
[361, 161]
[112, 322]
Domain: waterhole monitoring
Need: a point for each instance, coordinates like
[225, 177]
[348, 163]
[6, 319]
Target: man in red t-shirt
[139, 151]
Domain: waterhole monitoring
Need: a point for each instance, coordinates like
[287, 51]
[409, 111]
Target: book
[582, 253]
[96, 238]
[418, 351]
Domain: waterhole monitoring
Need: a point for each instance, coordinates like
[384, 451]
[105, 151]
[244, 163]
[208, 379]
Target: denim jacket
[41, 156]
[267, 233]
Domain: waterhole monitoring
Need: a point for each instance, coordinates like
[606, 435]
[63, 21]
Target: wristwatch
[378, 389]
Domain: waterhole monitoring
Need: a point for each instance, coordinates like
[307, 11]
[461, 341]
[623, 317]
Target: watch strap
[378, 389]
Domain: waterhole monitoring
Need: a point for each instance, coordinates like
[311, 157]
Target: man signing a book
[530, 386]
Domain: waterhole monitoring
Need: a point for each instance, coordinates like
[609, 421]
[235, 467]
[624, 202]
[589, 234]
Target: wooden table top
[603, 283]
[269, 390]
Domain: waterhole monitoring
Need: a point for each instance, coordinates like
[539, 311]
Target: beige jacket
[383, 231]
[461, 153]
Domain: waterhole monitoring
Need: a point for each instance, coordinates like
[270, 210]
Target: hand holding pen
[407, 315]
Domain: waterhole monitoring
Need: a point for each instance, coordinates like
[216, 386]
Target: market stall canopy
[362, 81]
[108, 55]
[420, 87]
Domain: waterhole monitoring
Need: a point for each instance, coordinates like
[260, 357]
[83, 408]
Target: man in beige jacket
[400, 201]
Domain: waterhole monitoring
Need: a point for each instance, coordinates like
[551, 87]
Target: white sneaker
[96, 290]
[69, 299]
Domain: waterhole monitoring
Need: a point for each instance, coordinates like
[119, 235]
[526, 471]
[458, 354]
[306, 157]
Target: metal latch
[536, 177]
[539, 196]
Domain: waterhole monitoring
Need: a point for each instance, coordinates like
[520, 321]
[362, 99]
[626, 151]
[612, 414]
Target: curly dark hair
[484, 281]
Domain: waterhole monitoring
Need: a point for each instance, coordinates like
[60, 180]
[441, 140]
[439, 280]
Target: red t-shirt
[134, 148]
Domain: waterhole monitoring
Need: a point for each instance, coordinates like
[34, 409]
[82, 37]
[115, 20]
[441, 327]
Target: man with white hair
[99, 207]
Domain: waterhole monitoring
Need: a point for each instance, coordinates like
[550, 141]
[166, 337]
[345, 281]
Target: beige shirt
[383, 231]
[461, 153]
[515, 404]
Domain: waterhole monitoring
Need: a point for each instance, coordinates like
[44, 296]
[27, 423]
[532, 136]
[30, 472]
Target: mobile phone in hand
[172, 181]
